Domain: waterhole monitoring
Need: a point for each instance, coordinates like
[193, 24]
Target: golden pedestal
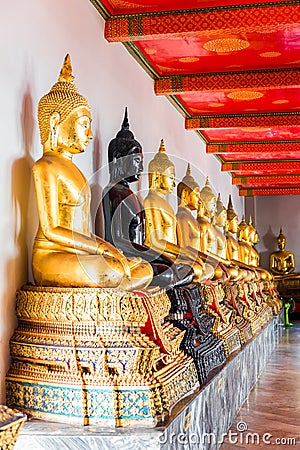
[272, 295]
[248, 307]
[105, 356]
[242, 324]
[223, 328]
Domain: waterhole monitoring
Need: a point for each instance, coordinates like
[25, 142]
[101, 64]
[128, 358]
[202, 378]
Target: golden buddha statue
[243, 240]
[205, 216]
[247, 237]
[161, 223]
[188, 231]
[65, 252]
[282, 262]
[232, 245]
[219, 221]
[254, 257]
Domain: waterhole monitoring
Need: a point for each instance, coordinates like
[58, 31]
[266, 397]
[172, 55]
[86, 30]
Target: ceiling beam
[263, 167]
[243, 120]
[268, 191]
[253, 148]
[212, 21]
[228, 82]
[266, 181]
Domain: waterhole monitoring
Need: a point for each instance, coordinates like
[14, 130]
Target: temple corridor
[271, 415]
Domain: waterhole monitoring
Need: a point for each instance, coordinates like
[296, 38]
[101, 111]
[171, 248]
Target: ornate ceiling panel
[232, 69]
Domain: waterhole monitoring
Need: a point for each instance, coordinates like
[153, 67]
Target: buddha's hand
[126, 266]
[106, 249]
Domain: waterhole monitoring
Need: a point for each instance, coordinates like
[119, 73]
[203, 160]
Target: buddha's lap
[75, 264]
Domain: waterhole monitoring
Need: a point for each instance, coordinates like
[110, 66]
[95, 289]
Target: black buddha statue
[124, 215]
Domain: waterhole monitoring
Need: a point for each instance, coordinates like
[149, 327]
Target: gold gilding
[245, 95]
[65, 251]
[226, 45]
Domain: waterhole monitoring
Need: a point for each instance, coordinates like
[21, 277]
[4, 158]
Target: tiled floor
[271, 416]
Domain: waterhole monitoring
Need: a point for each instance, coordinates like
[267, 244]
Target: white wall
[35, 35]
[271, 213]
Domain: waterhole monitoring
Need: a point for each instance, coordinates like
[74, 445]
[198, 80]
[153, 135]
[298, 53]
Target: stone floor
[270, 418]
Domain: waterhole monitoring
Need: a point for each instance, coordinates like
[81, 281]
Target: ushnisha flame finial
[162, 148]
[66, 75]
[125, 123]
[231, 214]
[188, 170]
[220, 206]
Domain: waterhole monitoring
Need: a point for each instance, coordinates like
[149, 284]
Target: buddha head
[64, 115]
[243, 230]
[232, 218]
[221, 213]
[125, 155]
[161, 171]
[209, 199]
[188, 191]
[281, 240]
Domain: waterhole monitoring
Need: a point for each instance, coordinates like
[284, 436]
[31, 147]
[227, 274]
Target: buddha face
[193, 199]
[201, 208]
[243, 233]
[233, 224]
[281, 243]
[75, 132]
[211, 205]
[220, 219]
[133, 165]
[167, 180]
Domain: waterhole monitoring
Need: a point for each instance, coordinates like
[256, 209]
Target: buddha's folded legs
[77, 270]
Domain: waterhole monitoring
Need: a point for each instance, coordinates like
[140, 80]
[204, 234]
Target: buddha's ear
[54, 120]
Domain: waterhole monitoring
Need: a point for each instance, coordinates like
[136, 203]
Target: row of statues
[134, 319]
[151, 244]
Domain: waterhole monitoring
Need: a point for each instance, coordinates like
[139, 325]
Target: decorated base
[11, 422]
[97, 356]
[224, 326]
[191, 423]
[206, 349]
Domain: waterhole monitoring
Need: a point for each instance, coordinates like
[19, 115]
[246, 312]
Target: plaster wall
[34, 37]
[271, 213]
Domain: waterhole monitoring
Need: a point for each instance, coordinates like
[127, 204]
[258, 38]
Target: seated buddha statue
[247, 236]
[282, 262]
[65, 252]
[161, 223]
[205, 215]
[220, 224]
[254, 257]
[188, 232]
[232, 245]
[243, 240]
[124, 214]
[220, 221]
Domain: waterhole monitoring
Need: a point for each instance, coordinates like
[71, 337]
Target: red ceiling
[233, 70]
[124, 7]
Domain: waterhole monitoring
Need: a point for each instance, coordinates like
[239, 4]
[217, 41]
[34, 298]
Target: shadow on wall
[17, 267]
[96, 189]
[270, 242]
